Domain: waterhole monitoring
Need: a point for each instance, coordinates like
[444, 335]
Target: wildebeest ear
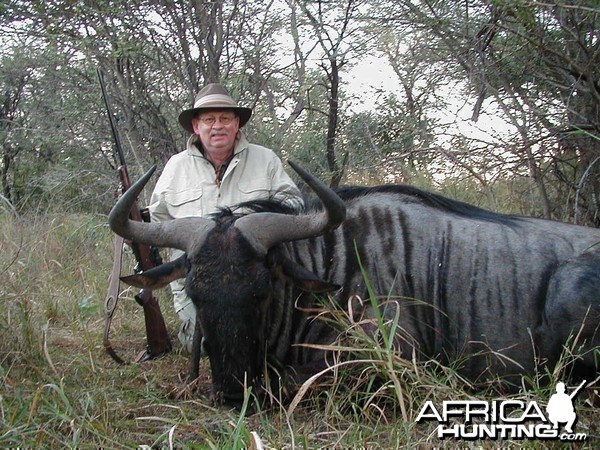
[301, 277]
[159, 276]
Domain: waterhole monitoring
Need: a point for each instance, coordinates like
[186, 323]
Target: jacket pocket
[187, 203]
[256, 188]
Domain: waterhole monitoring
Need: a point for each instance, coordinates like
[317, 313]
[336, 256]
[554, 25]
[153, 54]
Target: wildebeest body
[500, 292]
[466, 281]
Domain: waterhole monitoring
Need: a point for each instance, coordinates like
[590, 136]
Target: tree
[337, 29]
[539, 64]
[155, 55]
[14, 77]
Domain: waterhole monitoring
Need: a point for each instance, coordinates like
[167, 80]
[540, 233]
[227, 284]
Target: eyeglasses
[211, 120]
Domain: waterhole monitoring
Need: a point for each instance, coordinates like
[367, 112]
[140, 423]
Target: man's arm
[283, 187]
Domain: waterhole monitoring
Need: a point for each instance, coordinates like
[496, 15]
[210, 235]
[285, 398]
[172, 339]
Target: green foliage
[534, 65]
[48, 156]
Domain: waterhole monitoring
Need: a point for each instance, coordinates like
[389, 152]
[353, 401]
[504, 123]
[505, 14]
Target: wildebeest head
[229, 272]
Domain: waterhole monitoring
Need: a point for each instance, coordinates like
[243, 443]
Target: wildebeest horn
[180, 233]
[265, 230]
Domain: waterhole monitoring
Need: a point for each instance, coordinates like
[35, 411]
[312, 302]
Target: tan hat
[213, 96]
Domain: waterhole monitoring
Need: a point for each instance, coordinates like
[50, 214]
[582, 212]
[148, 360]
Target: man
[218, 168]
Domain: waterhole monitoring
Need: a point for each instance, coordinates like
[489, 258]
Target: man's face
[217, 129]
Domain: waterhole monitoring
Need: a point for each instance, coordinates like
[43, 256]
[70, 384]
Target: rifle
[157, 337]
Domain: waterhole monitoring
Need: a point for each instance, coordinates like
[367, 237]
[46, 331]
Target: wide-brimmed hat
[213, 96]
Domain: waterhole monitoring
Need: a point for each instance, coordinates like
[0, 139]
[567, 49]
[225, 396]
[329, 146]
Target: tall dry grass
[58, 388]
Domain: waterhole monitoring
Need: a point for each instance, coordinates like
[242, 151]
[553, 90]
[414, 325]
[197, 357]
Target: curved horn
[179, 233]
[264, 230]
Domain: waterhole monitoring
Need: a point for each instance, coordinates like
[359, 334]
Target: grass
[59, 389]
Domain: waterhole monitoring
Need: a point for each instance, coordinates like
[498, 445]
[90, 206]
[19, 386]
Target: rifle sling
[112, 297]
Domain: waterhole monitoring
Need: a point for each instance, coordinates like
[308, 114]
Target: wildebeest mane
[348, 193]
[411, 193]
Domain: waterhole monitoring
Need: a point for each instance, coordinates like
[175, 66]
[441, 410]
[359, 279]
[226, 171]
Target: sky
[373, 74]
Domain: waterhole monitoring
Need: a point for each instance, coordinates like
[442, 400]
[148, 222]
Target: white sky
[374, 73]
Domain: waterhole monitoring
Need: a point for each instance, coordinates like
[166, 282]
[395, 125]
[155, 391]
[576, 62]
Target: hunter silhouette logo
[506, 419]
[560, 407]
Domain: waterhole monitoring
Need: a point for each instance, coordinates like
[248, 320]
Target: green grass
[59, 389]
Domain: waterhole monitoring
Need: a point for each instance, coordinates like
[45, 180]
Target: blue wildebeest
[508, 290]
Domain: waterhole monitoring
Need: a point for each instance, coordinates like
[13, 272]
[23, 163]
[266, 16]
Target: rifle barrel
[111, 119]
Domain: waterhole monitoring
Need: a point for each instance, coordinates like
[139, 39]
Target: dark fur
[346, 193]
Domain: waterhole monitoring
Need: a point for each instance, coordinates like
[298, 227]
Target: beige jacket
[187, 185]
